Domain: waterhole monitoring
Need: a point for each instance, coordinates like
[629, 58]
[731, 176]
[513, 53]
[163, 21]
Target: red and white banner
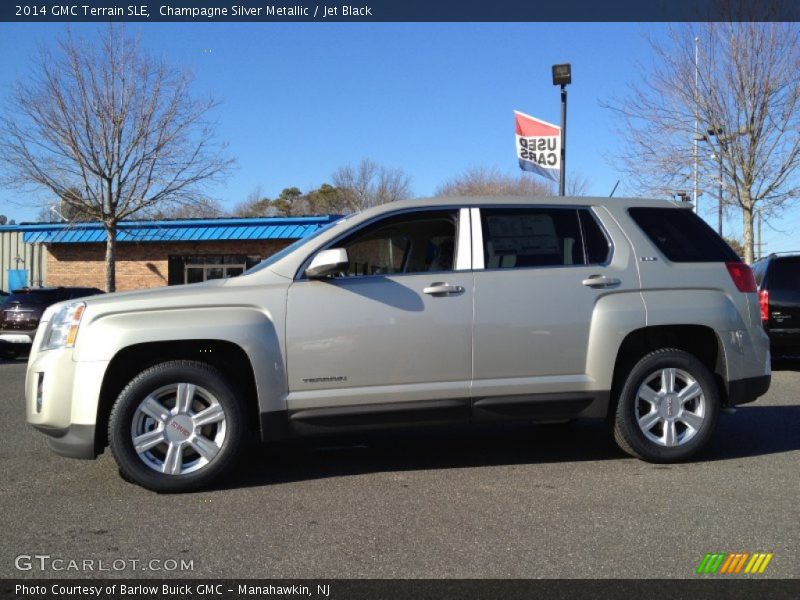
[538, 146]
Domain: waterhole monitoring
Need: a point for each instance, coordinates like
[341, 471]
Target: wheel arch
[700, 341]
[228, 357]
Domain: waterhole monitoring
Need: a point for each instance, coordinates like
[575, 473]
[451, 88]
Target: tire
[188, 423]
[668, 407]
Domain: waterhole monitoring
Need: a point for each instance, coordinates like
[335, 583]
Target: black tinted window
[410, 243]
[531, 237]
[682, 236]
[596, 243]
[784, 274]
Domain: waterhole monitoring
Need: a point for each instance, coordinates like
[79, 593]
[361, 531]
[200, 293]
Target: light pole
[696, 118]
[719, 133]
[562, 75]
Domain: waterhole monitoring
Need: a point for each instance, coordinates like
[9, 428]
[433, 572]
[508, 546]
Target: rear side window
[531, 237]
[784, 275]
[595, 241]
[682, 236]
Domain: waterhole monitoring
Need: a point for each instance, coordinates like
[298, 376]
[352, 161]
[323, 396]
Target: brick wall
[138, 265]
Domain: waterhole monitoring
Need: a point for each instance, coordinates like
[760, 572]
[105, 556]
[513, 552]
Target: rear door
[544, 270]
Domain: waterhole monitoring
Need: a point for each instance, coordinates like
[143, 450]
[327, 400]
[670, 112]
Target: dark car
[3, 297]
[778, 279]
[22, 310]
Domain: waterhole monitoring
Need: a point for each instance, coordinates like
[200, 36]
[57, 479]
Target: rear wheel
[668, 407]
[176, 427]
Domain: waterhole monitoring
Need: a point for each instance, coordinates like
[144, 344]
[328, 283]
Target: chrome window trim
[454, 208]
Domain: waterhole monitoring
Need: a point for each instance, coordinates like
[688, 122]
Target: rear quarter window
[681, 235]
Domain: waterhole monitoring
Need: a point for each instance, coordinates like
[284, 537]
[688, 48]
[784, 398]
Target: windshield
[271, 260]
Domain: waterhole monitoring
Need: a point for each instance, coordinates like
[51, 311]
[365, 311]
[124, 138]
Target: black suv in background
[22, 310]
[778, 279]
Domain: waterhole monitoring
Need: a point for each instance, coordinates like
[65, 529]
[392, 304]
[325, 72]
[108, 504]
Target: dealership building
[149, 253]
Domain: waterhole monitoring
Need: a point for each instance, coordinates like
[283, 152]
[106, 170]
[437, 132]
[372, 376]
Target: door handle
[443, 289]
[601, 281]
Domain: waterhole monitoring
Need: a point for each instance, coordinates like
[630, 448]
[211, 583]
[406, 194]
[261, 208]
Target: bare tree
[207, 208]
[114, 123]
[482, 181]
[255, 205]
[370, 184]
[738, 112]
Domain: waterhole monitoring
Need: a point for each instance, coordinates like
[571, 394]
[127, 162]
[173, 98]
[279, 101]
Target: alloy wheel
[178, 428]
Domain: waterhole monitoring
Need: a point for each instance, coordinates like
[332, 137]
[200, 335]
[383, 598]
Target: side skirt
[279, 425]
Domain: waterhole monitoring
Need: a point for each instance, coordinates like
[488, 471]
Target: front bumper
[17, 337]
[75, 441]
[61, 400]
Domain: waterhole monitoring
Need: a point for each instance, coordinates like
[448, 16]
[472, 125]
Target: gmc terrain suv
[778, 279]
[439, 310]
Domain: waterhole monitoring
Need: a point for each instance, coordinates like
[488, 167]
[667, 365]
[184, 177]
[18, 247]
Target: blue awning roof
[179, 230]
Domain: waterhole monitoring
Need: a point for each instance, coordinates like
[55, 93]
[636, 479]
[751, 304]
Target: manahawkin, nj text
[235, 11]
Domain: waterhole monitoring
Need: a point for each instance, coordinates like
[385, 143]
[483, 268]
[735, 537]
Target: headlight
[62, 329]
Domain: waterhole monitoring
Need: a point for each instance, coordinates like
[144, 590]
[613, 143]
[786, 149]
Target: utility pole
[696, 118]
[758, 216]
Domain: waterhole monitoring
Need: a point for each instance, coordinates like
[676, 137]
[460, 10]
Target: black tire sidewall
[122, 414]
[626, 410]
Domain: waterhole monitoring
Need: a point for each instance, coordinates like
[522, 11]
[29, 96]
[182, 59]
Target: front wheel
[176, 427]
[668, 407]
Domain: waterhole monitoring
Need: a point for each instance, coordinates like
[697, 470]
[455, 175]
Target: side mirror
[328, 262]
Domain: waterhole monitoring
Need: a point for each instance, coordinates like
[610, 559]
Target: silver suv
[440, 310]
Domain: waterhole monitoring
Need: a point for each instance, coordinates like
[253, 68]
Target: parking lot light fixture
[562, 75]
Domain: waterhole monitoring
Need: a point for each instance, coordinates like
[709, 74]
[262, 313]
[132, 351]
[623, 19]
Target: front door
[393, 333]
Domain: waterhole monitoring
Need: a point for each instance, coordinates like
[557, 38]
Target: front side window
[531, 237]
[410, 243]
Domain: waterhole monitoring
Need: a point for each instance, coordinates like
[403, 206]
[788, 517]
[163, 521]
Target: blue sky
[300, 100]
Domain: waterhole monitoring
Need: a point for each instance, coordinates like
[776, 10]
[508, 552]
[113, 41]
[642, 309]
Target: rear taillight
[763, 303]
[742, 276]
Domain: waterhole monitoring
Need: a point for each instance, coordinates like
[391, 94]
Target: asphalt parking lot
[512, 501]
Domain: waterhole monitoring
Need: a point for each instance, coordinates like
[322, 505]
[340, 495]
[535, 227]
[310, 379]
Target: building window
[204, 267]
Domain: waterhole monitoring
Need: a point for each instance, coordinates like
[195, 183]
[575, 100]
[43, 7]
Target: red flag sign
[538, 146]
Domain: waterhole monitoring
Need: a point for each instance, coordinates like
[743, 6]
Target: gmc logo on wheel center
[179, 428]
